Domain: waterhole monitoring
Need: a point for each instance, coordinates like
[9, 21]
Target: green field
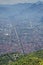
[34, 58]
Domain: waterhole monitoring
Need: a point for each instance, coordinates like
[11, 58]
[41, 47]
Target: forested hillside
[34, 58]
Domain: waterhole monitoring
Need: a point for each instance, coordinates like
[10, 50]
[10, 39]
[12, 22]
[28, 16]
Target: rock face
[21, 27]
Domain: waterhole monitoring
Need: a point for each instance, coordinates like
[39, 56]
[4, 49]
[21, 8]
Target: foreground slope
[34, 58]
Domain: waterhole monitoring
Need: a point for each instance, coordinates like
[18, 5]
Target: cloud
[16, 1]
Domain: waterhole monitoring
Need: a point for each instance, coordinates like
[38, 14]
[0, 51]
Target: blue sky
[17, 1]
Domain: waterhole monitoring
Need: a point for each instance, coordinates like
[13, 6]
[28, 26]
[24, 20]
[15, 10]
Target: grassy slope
[34, 58]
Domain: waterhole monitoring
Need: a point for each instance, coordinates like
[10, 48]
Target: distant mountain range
[22, 11]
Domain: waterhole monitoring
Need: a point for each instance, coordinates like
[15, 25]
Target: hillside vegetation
[34, 58]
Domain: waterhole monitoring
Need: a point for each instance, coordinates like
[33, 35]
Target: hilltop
[34, 58]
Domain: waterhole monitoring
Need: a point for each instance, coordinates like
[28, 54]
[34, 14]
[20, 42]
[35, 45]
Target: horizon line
[19, 3]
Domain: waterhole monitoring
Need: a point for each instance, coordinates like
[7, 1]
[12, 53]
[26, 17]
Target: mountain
[32, 10]
[21, 27]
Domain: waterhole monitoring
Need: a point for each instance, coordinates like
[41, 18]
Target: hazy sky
[17, 1]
